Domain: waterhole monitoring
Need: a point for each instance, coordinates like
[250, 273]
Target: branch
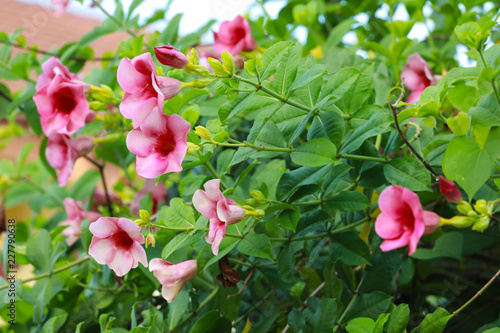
[401, 134]
[58, 55]
[479, 293]
[101, 171]
[243, 287]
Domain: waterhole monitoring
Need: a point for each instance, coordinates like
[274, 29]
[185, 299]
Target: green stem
[201, 306]
[255, 147]
[495, 91]
[478, 293]
[55, 271]
[363, 158]
[278, 96]
[351, 303]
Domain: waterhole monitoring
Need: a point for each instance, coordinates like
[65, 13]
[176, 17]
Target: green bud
[252, 202]
[217, 67]
[202, 132]
[198, 83]
[193, 56]
[481, 206]
[258, 195]
[253, 66]
[462, 221]
[228, 62]
[144, 216]
[481, 224]
[192, 148]
[197, 69]
[464, 207]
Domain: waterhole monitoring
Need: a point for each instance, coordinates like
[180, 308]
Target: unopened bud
[170, 56]
[199, 83]
[202, 132]
[192, 148]
[83, 145]
[459, 221]
[144, 216]
[449, 190]
[258, 195]
[481, 206]
[464, 207]
[221, 136]
[481, 224]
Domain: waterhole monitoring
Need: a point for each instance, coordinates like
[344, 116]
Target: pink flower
[160, 144]
[417, 76]
[74, 221]
[172, 277]
[144, 90]
[449, 190]
[170, 56]
[51, 68]
[221, 211]
[402, 221]
[117, 243]
[234, 36]
[62, 152]
[62, 3]
[159, 194]
[63, 106]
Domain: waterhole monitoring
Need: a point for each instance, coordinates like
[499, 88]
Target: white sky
[199, 12]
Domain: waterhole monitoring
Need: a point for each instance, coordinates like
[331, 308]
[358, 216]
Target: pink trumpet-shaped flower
[160, 144]
[62, 152]
[76, 214]
[117, 243]
[449, 190]
[416, 76]
[402, 221]
[221, 211]
[172, 277]
[63, 4]
[63, 106]
[51, 68]
[144, 90]
[234, 36]
[170, 56]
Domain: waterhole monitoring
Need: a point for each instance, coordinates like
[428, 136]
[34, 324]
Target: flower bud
[199, 83]
[202, 132]
[431, 222]
[481, 206]
[192, 148]
[83, 145]
[170, 56]
[150, 239]
[449, 190]
[459, 221]
[144, 216]
[258, 195]
[464, 207]
[481, 224]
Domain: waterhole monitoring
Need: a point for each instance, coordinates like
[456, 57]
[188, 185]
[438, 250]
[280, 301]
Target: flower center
[122, 240]
[165, 144]
[238, 34]
[64, 101]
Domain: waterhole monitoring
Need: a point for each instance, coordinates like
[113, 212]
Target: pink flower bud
[449, 190]
[83, 145]
[76, 214]
[170, 56]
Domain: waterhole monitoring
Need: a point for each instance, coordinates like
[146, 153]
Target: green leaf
[292, 180]
[468, 33]
[347, 200]
[329, 125]
[408, 173]
[377, 124]
[314, 153]
[325, 316]
[351, 249]
[287, 69]
[433, 322]
[257, 245]
[177, 309]
[179, 241]
[368, 305]
[487, 112]
[170, 33]
[54, 323]
[399, 318]
[462, 96]
[42, 292]
[178, 215]
[459, 124]
[231, 108]
[272, 57]
[39, 249]
[467, 163]
[309, 75]
[206, 322]
[360, 325]
[285, 264]
[448, 245]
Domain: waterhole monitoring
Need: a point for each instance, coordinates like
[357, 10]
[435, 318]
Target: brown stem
[101, 171]
[403, 137]
[243, 287]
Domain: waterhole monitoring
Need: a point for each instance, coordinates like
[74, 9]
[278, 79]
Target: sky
[198, 12]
